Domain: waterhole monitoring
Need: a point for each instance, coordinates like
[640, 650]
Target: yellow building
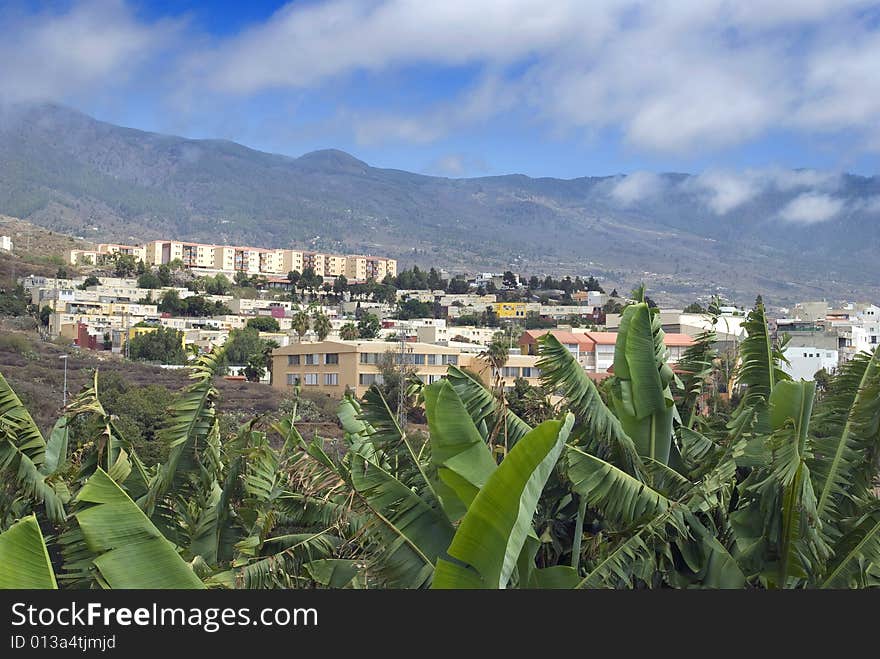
[334, 265]
[510, 309]
[331, 367]
[356, 268]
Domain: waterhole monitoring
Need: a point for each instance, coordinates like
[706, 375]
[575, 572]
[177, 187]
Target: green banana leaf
[461, 462]
[24, 561]
[128, 551]
[488, 542]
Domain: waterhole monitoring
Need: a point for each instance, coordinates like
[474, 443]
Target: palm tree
[300, 323]
[349, 332]
[496, 354]
[321, 324]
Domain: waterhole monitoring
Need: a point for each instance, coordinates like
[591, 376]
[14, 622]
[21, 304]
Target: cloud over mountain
[663, 76]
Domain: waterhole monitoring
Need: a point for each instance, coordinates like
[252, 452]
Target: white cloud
[811, 208]
[667, 76]
[94, 44]
[869, 205]
[636, 187]
[724, 191]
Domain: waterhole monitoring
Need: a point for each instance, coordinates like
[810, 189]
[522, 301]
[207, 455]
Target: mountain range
[789, 235]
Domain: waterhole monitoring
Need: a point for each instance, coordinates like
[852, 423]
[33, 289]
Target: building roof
[586, 344]
[588, 340]
[603, 338]
[672, 339]
[340, 345]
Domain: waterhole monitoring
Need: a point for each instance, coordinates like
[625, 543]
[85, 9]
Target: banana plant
[24, 559]
[23, 456]
[641, 390]
[489, 541]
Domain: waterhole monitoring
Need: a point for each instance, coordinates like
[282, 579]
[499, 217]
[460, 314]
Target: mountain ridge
[64, 170]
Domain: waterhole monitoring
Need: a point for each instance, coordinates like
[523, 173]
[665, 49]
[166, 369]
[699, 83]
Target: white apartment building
[804, 361]
[6, 243]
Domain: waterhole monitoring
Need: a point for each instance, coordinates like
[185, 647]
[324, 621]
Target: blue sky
[478, 87]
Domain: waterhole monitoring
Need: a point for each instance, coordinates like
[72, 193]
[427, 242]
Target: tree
[45, 314]
[62, 273]
[349, 332]
[369, 326]
[340, 284]
[263, 324]
[509, 279]
[149, 279]
[241, 345]
[171, 303]
[321, 324]
[163, 345]
[124, 265]
[694, 307]
[255, 368]
[434, 281]
[300, 323]
[91, 280]
[241, 279]
[458, 285]
[219, 284]
[413, 308]
[612, 307]
[163, 272]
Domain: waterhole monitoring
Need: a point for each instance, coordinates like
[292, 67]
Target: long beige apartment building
[258, 260]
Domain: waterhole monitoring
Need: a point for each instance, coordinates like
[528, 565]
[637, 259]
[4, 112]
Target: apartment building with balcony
[362, 268]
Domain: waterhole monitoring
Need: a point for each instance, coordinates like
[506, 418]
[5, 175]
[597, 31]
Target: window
[331, 379]
[450, 359]
[531, 372]
[366, 379]
[419, 359]
[873, 338]
[369, 357]
[293, 360]
[311, 360]
[292, 379]
[510, 371]
[432, 360]
[331, 358]
[310, 378]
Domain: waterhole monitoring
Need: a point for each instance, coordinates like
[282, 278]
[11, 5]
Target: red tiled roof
[678, 340]
[603, 338]
[583, 340]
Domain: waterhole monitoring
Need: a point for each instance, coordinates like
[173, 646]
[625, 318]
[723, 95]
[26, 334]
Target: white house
[804, 361]
[6, 243]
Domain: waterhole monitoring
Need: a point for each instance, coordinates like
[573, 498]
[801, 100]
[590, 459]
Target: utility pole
[401, 412]
[64, 395]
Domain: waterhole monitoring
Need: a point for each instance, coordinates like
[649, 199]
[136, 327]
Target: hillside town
[326, 322]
